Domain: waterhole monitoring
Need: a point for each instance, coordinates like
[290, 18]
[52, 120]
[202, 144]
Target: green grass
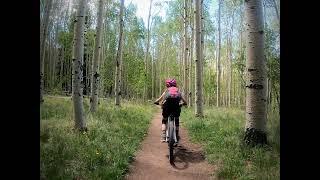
[104, 152]
[221, 132]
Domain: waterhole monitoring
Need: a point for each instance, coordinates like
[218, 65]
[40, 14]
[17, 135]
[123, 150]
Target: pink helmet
[171, 82]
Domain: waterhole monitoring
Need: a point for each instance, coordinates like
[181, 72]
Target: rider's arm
[184, 101]
[161, 97]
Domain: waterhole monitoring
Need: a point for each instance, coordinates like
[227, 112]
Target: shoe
[163, 136]
[176, 143]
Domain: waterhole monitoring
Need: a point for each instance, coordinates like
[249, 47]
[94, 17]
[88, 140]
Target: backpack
[173, 93]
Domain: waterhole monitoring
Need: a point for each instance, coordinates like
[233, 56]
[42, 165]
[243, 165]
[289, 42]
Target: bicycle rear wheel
[171, 139]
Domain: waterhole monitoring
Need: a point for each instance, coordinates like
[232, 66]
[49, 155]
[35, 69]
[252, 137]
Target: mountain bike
[171, 136]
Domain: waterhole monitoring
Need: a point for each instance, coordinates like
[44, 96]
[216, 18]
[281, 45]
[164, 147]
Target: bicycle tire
[171, 139]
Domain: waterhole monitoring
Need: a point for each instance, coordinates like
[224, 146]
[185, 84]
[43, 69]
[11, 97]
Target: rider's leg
[163, 129]
[177, 122]
[164, 122]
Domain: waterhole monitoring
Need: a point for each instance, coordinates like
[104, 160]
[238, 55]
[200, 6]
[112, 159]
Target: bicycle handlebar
[183, 104]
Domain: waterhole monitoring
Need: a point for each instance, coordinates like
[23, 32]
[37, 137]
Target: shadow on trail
[183, 156]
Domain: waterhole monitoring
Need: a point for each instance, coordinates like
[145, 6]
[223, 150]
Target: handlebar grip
[184, 104]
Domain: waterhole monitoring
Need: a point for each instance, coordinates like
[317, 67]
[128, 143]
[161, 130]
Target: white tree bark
[181, 54]
[191, 54]
[276, 9]
[186, 49]
[256, 75]
[77, 77]
[202, 38]
[219, 56]
[198, 69]
[43, 35]
[119, 58]
[95, 78]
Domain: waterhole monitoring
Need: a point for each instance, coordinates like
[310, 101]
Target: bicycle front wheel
[171, 140]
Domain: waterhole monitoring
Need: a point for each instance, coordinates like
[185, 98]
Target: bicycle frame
[171, 119]
[171, 137]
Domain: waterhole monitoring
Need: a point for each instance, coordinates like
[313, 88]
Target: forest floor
[124, 143]
[151, 161]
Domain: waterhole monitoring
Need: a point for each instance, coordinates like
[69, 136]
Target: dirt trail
[151, 161]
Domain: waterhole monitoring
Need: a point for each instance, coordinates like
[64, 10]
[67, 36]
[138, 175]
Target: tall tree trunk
[153, 75]
[264, 13]
[101, 64]
[86, 58]
[229, 76]
[70, 75]
[242, 55]
[127, 86]
[219, 56]
[119, 58]
[239, 91]
[48, 65]
[202, 48]
[221, 87]
[209, 80]
[230, 61]
[180, 57]
[234, 93]
[57, 57]
[256, 76]
[198, 79]
[160, 70]
[270, 92]
[52, 53]
[191, 53]
[186, 49]
[77, 78]
[54, 60]
[167, 67]
[43, 36]
[61, 74]
[88, 64]
[276, 9]
[202, 38]
[122, 74]
[95, 71]
[145, 93]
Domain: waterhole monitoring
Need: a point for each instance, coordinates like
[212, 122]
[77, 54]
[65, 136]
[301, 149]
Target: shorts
[171, 107]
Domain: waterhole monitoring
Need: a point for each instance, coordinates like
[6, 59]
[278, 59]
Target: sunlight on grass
[104, 152]
[221, 133]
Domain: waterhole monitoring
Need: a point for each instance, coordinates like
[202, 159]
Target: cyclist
[170, 102]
